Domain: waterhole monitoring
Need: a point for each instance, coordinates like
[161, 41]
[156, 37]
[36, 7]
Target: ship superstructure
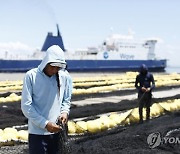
[116, 53]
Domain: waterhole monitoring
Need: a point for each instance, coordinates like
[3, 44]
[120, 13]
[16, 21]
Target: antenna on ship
[58, 32]
[53, 40]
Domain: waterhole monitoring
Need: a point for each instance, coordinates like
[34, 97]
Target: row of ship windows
[127, 46]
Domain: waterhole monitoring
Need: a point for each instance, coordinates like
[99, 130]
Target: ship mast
[53, 40]
[58, 32]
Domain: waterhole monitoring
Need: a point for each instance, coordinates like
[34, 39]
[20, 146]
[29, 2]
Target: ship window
[92, 53]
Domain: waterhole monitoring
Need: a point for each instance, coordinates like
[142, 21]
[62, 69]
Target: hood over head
[54, 55]
[143, 69]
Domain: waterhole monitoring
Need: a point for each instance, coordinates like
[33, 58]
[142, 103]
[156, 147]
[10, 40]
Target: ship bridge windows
[127, 46]
[91, 53]
[86, 52]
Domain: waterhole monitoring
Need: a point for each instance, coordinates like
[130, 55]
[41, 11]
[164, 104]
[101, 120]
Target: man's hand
[148, 89]
[143, 89]
[63, 118]
[53, 128]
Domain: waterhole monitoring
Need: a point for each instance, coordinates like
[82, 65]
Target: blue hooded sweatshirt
[41, 99]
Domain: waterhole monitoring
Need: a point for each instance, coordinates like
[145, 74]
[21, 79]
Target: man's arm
[137, 82]
[153, 82]
[27, 105]
[65, 107]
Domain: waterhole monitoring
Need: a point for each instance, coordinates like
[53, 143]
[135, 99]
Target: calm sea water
[172, 69]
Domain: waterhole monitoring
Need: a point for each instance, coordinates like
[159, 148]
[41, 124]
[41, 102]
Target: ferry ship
[117, 53]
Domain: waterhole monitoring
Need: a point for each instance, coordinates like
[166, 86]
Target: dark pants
[145, 100]
[44, 144]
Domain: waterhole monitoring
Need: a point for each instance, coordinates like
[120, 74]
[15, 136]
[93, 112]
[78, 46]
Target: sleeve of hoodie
[66, 103]
[153, 82]
[27, 105]
[138, 87]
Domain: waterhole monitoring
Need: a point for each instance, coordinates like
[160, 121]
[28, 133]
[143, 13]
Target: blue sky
[25, 23]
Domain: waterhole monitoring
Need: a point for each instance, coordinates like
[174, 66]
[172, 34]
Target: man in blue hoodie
[144, 84]
[46, 97]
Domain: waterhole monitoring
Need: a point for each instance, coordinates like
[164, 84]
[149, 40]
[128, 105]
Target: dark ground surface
[125, 140]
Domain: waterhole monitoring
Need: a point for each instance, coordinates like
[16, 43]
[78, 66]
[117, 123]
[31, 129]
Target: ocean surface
[172, 69]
